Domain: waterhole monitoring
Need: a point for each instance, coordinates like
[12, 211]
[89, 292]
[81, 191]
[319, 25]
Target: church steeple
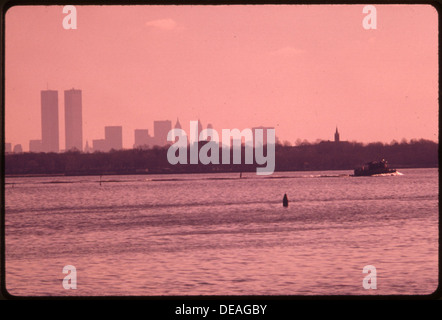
[336, 135]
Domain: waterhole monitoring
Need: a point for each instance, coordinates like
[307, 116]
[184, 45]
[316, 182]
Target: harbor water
[219, 234]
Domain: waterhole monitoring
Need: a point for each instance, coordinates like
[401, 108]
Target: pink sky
[302, 69]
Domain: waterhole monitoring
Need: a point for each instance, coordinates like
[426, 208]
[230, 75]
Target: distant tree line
[302, 157]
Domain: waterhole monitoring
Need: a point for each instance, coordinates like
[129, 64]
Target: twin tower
[50, 141]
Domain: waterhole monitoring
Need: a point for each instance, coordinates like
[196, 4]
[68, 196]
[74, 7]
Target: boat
[372, 168]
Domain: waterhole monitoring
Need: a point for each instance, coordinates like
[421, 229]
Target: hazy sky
[302, 69]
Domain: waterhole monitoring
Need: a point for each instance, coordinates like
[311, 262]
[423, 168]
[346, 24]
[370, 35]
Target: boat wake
[326, 176]
[397, 173]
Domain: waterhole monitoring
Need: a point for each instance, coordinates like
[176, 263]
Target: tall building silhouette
[8, 147]
[49, 121]
[160, 130]
[177, 124]
[99, 145]
[142, 138]
[87, 148]
[73, 119]
[35, 146]
[179, 136]
[114, 137]
[18, 148]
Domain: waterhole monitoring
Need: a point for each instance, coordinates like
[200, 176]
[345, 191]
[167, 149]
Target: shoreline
[37, 175]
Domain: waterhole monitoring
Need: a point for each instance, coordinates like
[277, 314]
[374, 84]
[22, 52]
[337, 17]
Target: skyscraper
[180, 135]
[114, 137]
[142, 138]
[35, 146]
[73, 119]
[49, 121]
[8, 147]
[161, 129]
[178, 124]
[100, 145]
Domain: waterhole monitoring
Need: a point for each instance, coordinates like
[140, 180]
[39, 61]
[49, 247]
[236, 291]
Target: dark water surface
[216, 234]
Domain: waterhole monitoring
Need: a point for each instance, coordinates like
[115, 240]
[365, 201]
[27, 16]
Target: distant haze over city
[303, 70]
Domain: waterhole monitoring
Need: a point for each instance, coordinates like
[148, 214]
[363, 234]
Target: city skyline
[74, 123]
[113, 135]
[322, 70]
[113, 139]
